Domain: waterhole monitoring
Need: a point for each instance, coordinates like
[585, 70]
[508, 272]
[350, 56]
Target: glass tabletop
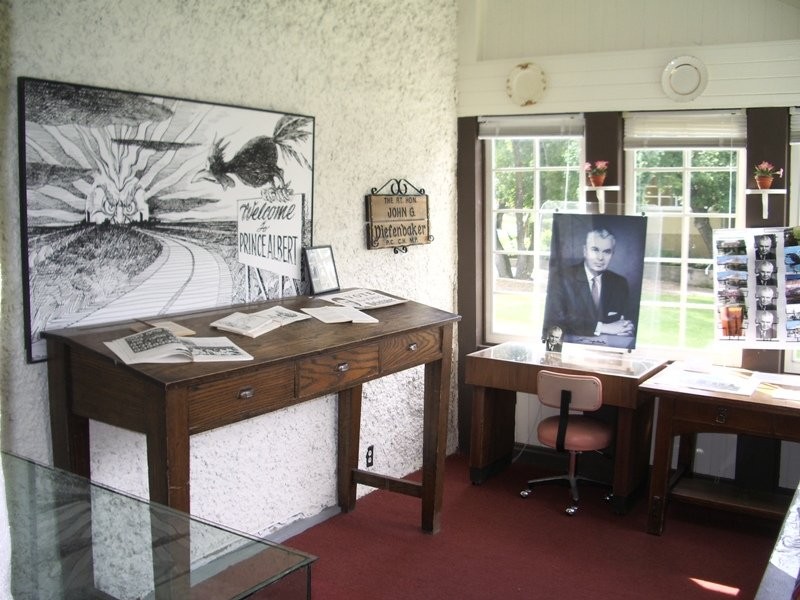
[620, 364]
[71, 538]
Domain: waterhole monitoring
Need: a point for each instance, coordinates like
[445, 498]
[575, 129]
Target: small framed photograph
[321, 269]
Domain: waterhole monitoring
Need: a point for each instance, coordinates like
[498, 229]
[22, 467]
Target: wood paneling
[469, 174]
[739, 76]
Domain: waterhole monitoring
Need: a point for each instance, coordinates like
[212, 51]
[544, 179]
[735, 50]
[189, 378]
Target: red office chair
[571, 432]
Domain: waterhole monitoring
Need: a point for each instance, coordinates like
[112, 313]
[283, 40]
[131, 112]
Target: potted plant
[596, 172]
[764, 174]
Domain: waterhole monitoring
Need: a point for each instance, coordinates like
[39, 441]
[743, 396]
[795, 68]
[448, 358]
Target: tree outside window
[686, 194]
[530, 179]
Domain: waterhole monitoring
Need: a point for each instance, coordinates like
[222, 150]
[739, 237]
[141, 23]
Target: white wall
[379, 78]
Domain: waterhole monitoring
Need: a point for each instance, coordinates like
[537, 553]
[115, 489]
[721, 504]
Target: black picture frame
[321, 269]
[116, 185]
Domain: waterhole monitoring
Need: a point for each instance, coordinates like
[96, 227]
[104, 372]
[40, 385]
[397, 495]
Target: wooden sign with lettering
[397, 221]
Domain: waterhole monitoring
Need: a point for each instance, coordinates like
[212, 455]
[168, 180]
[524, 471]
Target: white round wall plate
[684, 78]
[526, 84]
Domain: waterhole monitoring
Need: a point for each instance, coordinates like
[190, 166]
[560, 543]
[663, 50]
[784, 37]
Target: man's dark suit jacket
[570, 304]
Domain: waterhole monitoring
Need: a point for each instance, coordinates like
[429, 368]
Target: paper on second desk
[339, 314]
[716, 379]
[780, 386]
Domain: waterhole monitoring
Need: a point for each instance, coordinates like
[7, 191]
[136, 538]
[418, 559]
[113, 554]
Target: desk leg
[434, 439]
[662, 459]
[348, 441]
[69, 433]
[168, 451]
[632, 453]
[492, 435]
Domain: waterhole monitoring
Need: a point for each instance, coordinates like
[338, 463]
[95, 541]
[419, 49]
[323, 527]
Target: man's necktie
[596, 291]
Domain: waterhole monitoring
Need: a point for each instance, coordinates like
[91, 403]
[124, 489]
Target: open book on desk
[159, 345]
[257, 323]
[361, 299]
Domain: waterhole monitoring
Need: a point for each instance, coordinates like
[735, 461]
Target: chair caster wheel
[571, 510]
[525, 493]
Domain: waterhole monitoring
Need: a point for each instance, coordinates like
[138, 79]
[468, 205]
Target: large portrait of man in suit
[595, 279]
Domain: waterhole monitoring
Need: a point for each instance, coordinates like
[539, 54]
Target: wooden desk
[686, 411]
[297, 362]
[499, 372]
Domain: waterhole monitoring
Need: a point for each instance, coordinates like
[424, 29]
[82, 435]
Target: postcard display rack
[757, 286]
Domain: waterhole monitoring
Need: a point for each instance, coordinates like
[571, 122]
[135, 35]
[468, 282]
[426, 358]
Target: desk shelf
[765, 198]
[600, 192]
[721, 494]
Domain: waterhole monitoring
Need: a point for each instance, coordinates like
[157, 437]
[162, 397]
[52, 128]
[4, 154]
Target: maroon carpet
[494, 544]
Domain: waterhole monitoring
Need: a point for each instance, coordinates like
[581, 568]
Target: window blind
[685, 129]
[794, 125]
[530, 125]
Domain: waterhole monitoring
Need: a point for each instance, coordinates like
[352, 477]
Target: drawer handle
[343, 367]
[413, 347]
[722, 415]
[246, 393]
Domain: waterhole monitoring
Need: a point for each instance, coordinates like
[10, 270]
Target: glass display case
[71, 538]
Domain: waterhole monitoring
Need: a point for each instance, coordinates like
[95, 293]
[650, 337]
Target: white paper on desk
[780, 386]
[339, 314]
[720, 379]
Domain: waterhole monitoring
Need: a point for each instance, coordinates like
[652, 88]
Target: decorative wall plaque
[398, 219]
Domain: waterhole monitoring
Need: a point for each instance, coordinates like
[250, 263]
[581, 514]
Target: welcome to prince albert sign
[270, 233]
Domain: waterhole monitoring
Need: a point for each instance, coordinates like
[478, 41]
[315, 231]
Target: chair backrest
[587, 390]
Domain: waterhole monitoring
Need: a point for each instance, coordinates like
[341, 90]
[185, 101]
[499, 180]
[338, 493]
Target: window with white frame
[534, 167]
[684, 172]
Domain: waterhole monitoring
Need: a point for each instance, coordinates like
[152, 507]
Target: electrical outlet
[370, 456]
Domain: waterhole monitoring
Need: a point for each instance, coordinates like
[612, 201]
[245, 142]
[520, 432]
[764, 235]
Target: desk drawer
[327, 373]
[234, 399]
[725, 416]
[404, 351]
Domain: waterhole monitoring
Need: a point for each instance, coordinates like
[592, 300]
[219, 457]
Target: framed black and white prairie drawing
[136, 205]
[321, 267]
